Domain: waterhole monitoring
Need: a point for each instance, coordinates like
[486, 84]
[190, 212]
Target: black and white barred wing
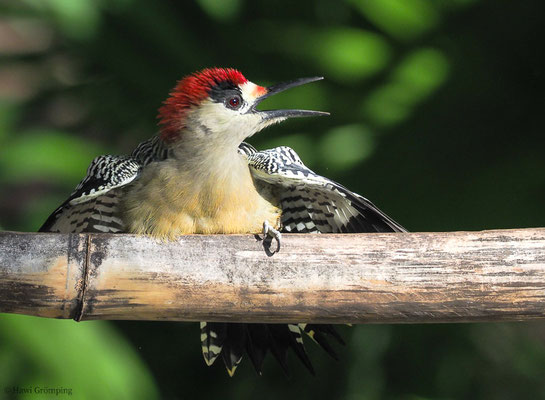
[92, 206]
[310, 202]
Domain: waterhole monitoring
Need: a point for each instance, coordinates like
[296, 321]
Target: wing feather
[92, 206]
[310, 202]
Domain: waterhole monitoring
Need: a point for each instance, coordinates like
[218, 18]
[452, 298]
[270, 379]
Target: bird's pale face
[218, 106]
[229, 115]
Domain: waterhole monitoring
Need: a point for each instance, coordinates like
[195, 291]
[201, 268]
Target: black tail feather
[289, 336]
[329, 330]
[230, 340]
[233, 347]
[213, 336]
[279, 346]
[257, 344]
[296, 342]
[318, 333]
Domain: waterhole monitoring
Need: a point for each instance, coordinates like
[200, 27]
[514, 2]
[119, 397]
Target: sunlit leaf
[46, 154]
[344, 146]
[78, 19]
[342, 53]
[386, 105]
[403, 19]
[423, 70]
[351, 54]
[223, 10]
[90, 358]
[415, 78]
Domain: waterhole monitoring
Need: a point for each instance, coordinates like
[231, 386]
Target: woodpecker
[198, 176]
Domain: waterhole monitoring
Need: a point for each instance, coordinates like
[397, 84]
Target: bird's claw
[269, 231]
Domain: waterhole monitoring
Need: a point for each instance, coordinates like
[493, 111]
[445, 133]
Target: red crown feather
[190, 91]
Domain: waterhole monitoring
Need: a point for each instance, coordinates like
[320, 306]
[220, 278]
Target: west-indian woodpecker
[198, 176]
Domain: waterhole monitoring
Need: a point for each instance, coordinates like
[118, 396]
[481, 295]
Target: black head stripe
[223, 90]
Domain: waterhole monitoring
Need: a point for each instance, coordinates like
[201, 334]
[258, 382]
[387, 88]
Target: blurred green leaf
[78, 19]
[414, 79]
[386, 106]
[345, 54]
[422, 71]
[89, 357]
[403, 19]
[8, 115]
[351, 54]
[44, 153]
[222, 10]
[344, 146]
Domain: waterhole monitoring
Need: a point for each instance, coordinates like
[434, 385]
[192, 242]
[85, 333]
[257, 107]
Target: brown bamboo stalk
[352, 278]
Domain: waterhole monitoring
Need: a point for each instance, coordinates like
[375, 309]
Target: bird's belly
[227, 220]
[178, 213]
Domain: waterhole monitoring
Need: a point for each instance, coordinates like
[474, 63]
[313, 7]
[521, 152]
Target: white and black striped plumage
[93, 205]
[310, 204]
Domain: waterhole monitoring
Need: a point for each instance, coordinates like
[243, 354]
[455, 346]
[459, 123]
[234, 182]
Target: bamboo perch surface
[350, 278]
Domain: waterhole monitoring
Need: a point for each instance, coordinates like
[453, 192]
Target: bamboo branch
[351, 278]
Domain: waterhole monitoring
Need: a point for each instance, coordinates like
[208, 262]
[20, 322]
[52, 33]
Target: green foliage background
[437, 117]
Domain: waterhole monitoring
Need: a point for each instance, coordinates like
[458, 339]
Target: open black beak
[280, 87]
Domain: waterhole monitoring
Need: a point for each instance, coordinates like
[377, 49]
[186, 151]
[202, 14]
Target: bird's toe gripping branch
[269, 231]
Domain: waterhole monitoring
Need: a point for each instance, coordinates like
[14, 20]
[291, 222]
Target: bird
[199, 176]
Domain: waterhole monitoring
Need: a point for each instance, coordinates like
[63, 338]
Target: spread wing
[310, 202]
[92, 206]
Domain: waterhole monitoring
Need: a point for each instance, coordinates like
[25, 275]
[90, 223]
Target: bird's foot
[272, 233]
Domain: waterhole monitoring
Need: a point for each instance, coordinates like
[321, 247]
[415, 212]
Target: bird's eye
[234, 102]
